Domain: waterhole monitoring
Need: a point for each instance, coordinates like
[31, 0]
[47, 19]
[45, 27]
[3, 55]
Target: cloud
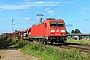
[84, 8]
[27, 4]
[1, 11]
[50, 12]
[86, 19]
[69, 2]
[18, 13]
[38, 18]
[14, 7]
[2, 19]
[27, 18]
[42, 3]
[25, 10]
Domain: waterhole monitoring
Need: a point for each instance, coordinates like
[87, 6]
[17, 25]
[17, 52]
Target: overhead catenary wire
[42, 13]
[73, 9]
[63, 12]
[55, 6]
[51, 8]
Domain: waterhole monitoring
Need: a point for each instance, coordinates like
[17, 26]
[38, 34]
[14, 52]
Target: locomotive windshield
[59, 24]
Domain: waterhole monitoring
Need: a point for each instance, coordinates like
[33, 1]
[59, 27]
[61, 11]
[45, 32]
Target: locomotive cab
[57, 28]
[57, 31]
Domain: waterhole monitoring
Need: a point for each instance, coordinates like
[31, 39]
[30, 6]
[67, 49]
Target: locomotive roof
[48, 20]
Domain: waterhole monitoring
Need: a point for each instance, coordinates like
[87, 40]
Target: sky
[75, 13]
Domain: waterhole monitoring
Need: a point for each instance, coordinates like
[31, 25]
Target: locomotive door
[45, 30]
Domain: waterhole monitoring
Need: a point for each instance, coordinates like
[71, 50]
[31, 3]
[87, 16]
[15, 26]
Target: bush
[12, 42]
[50, 53]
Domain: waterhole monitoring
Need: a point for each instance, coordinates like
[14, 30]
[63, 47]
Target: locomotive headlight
[62, 30]
[52, 31]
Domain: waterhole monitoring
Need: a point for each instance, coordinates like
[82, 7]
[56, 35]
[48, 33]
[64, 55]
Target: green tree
[72, 31]
[15, 30]
[77, 31]
[67, 32]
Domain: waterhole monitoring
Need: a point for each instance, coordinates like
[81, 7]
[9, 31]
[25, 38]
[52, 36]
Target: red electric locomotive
[50, 30]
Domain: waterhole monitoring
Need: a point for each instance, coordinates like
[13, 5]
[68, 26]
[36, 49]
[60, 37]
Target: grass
[79, 41]
[50, 53]
[42, 51]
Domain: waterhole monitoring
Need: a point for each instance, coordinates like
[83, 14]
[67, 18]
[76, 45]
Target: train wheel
[45, 42]
[61, 42]
[51, 42]
[48, 42]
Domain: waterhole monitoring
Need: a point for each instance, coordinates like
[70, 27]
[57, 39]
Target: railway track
[81, 47]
